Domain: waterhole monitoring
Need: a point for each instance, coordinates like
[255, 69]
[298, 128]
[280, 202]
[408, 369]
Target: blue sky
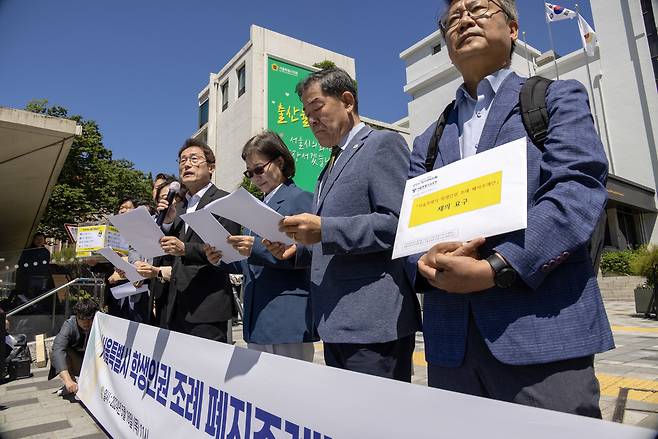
[136, 66]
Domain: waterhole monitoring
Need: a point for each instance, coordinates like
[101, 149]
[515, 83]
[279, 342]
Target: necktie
[335, 152]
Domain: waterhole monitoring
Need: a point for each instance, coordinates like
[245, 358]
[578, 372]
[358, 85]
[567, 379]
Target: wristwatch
[504, 275]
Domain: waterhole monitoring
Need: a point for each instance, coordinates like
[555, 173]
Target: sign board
[285, 116]
[92, 238]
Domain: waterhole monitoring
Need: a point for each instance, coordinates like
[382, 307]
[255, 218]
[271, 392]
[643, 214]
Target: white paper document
[212, 232]
[138, 228]
[127, 289]
[129, 269]
[250, 212]
[482, 195]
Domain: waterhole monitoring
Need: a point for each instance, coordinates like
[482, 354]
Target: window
[224, 95]
[241, 81]
[436, 49]
[203, 113]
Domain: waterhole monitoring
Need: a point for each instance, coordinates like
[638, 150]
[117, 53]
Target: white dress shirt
[472, 113]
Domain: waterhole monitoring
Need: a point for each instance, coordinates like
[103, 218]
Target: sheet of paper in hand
[250, 212]
[482, 195]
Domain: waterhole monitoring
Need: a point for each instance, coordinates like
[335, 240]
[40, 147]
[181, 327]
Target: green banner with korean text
[286, 117]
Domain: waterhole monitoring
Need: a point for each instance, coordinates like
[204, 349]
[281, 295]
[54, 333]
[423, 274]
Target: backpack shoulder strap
[532, 103]
[433, 147]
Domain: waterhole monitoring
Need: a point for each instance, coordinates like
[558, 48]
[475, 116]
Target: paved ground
[628, 376]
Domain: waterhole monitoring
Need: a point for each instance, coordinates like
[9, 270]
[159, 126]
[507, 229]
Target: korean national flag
[558, 13]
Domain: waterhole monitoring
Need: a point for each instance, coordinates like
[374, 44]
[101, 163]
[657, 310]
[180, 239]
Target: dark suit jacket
[555, 311]
[69, 337]
[277, 308]
[199, 290]
[360, 295]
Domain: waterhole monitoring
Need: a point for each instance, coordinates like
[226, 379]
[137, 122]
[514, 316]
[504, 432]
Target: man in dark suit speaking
[364, 307]
[200, 300]
[521, 324]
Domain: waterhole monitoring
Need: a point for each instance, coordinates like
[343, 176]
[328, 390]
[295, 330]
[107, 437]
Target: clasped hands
[455, 267]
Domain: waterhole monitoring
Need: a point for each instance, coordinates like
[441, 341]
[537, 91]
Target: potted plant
[646, 264]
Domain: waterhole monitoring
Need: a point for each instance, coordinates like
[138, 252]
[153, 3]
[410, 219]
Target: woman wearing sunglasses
[277, 309]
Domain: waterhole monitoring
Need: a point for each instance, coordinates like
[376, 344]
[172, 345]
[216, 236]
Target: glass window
[225, 96]
[242, 81]
[436, 49]
[203, 113]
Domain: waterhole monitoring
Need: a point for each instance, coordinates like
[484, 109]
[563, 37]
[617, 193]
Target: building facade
[623, 96]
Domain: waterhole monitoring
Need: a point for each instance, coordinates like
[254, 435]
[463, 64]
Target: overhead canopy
[33, 148]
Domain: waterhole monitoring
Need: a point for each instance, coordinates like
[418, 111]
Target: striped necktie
[335, 152]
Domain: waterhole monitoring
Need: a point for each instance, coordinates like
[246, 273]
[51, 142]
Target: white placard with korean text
[481, 195]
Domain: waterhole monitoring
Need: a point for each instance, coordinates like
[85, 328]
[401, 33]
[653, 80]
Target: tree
[251, 188]
[91, 182]
[326, 64]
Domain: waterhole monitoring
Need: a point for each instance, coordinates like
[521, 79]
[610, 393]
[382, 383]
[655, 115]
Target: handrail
[79, 280]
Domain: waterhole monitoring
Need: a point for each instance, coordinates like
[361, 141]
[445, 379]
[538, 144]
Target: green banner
[286, 117]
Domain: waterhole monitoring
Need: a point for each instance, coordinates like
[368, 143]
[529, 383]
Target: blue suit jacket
[555, 310]
[276, 296]
[360, 295]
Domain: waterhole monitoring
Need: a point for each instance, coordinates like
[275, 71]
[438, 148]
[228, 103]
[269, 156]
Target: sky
[136, 67]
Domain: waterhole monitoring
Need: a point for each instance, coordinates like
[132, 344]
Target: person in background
[132, 307]
[70, 344]
[277, 310]
[159, 272]
[33, 275]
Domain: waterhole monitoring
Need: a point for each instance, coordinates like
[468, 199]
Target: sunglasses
[258, 170]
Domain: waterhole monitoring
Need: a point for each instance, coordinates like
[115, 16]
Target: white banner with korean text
[144, 382]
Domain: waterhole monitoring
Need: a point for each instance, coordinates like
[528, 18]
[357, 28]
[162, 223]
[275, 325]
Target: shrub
[618, 262]
[646, 263]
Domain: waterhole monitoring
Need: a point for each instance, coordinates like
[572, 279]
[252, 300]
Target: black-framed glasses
[194, 160]
[477, 10]
[258, 170]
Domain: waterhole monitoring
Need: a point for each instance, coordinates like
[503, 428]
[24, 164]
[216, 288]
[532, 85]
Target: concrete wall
[619, 287]
[630, 94]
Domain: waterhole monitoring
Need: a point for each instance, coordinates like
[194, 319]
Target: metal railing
[80, 281]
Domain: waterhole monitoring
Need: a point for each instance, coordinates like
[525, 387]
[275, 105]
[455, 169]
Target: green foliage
[326, 64]
[618, 262]
[646, 263]
[91, 182]
[251, 188]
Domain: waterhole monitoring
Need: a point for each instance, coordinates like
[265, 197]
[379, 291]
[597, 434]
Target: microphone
[174, 187]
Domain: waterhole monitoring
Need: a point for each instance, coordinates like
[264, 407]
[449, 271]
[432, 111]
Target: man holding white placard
[517, 317]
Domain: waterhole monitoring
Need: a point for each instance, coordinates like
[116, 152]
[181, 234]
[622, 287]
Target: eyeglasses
[476, 10]
[194, 160]
[258, 170]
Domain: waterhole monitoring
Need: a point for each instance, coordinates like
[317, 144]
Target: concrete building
[624, 78]
[238, 103]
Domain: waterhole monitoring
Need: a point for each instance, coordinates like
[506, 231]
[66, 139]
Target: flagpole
[527, 60]
[550, 37]
[589, 78]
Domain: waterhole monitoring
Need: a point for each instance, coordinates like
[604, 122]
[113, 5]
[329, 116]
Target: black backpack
[534, 113]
